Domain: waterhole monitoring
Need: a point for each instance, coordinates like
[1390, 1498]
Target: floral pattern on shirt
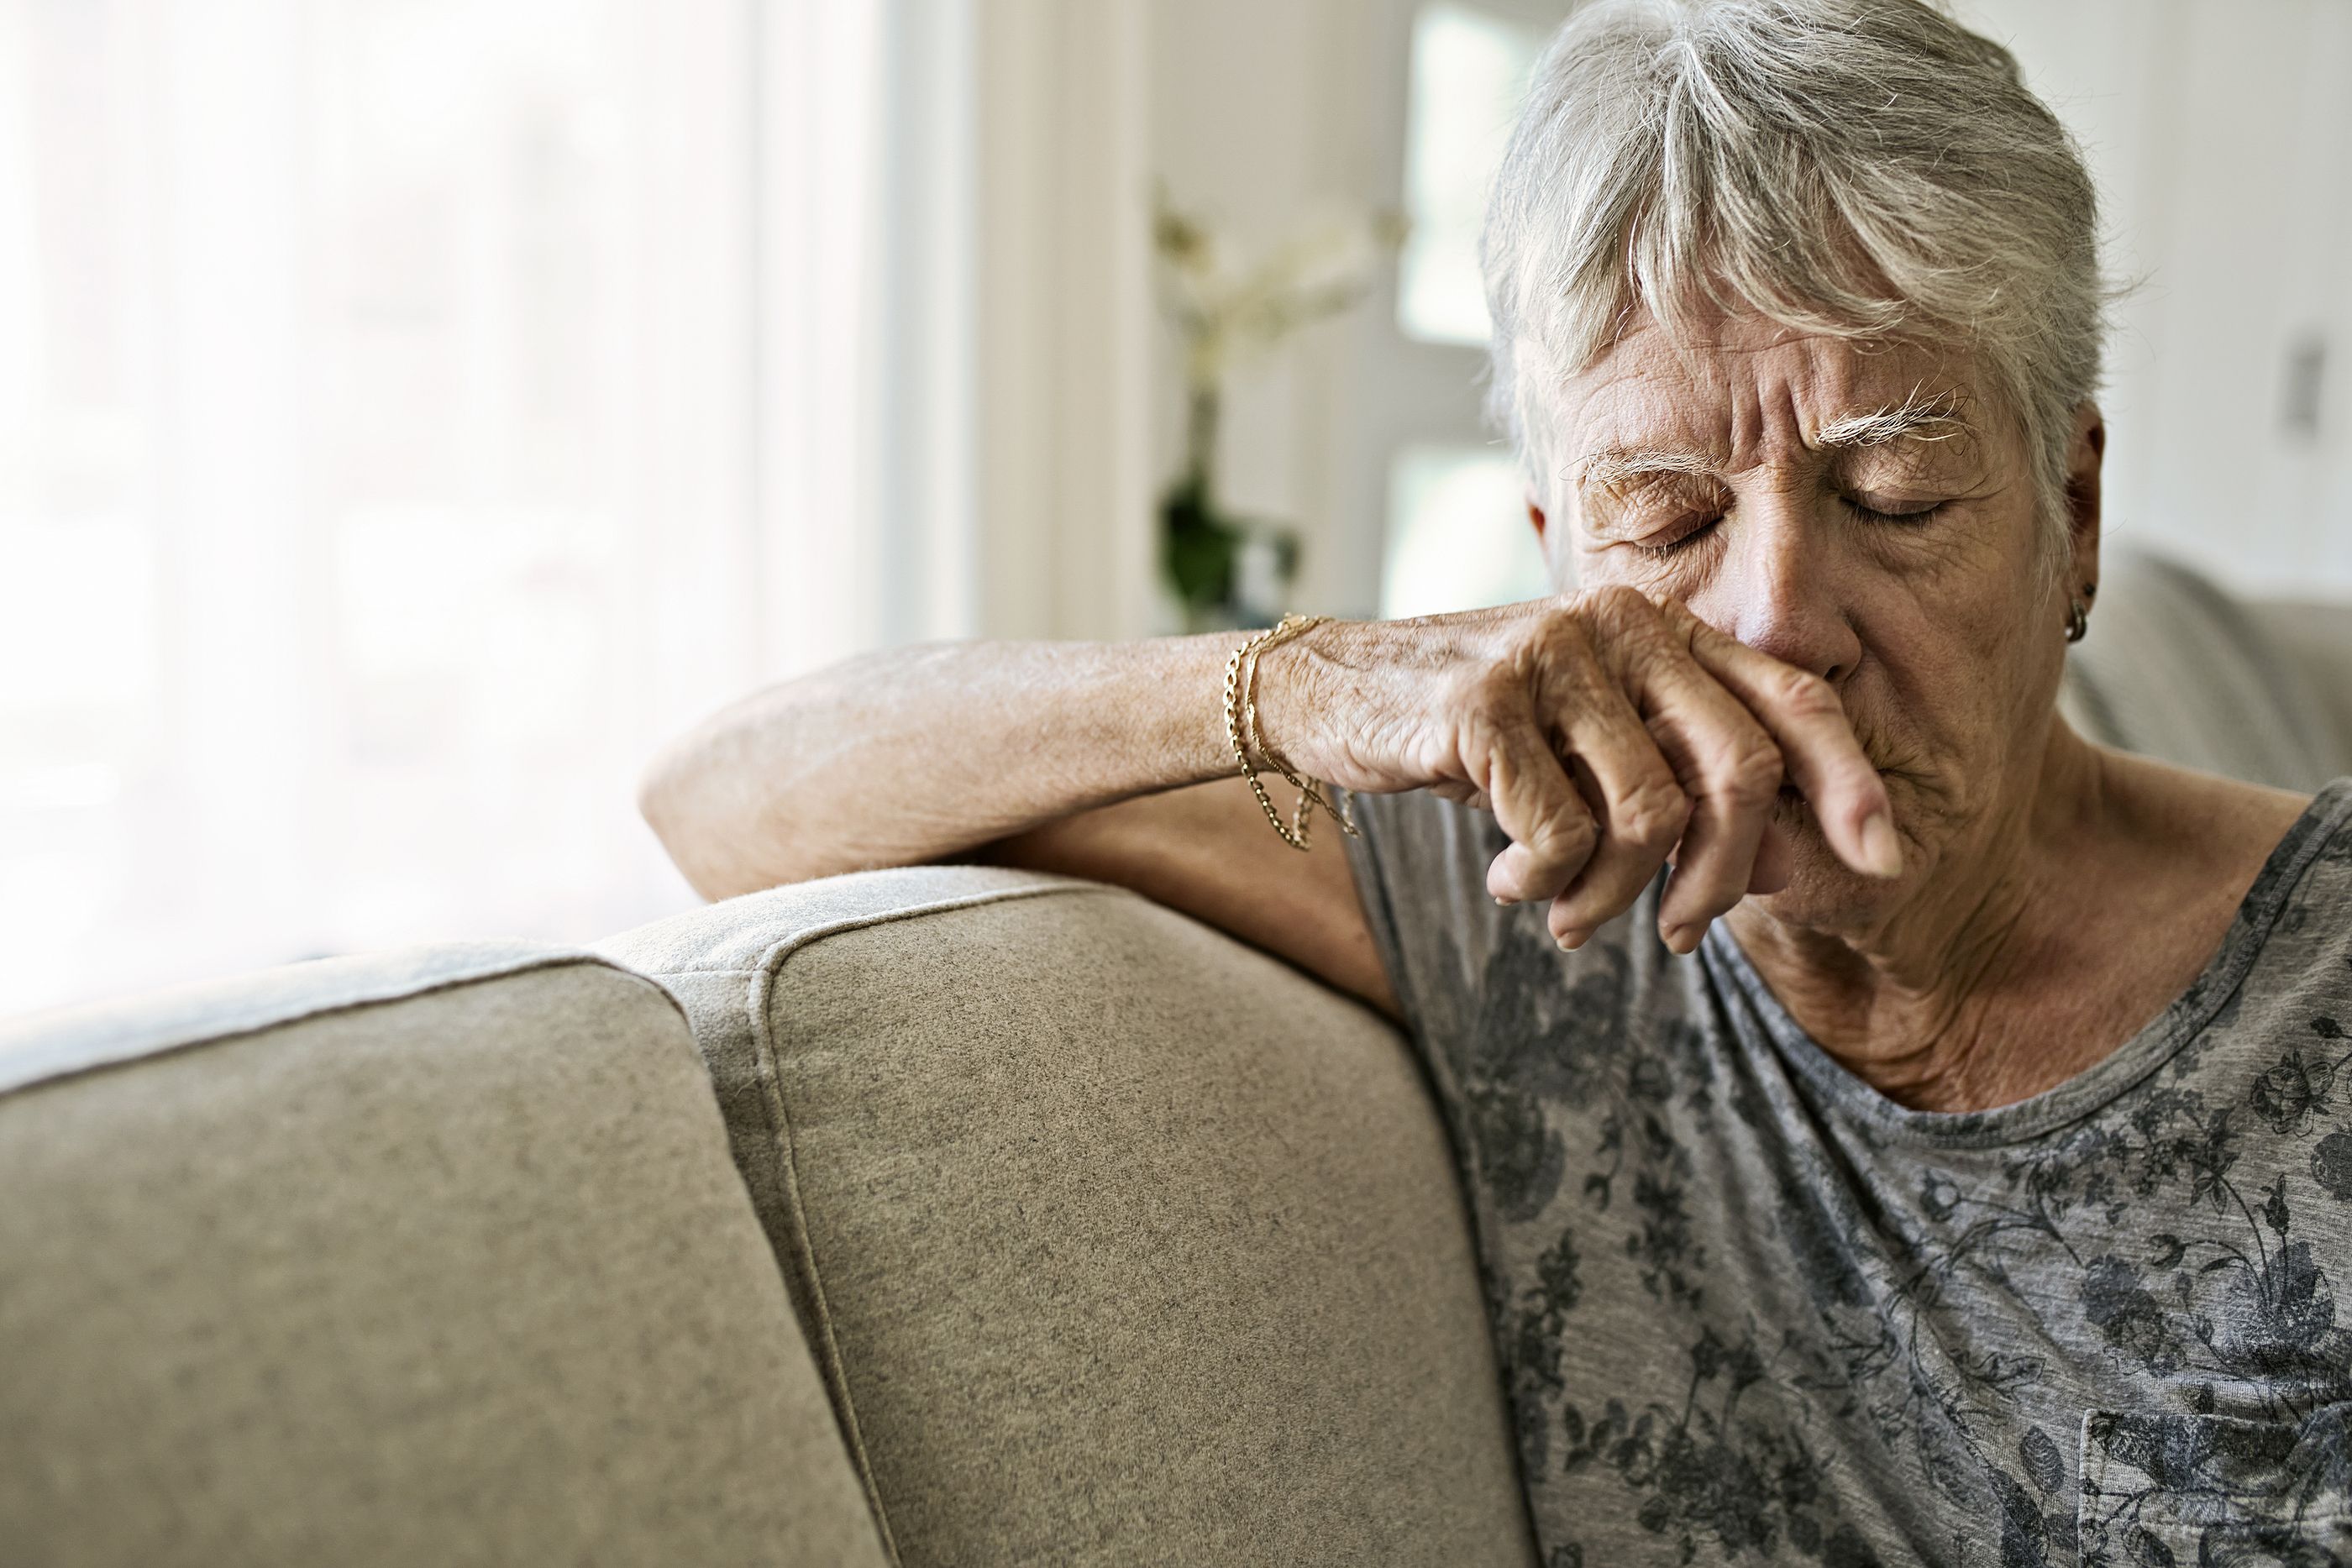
[1747, 1311]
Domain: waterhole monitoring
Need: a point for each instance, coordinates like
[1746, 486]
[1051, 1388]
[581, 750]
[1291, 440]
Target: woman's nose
[1785, 593]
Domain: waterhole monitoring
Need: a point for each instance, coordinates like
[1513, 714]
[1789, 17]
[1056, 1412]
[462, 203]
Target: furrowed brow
[1939, 416]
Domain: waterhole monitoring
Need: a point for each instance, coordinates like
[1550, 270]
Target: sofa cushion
[1118, 1242]
[2180, 669]
[430, 1258]
[2315, 640]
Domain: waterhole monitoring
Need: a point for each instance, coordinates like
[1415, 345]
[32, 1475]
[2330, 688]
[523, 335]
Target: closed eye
[1683, 540]
[1919, 514]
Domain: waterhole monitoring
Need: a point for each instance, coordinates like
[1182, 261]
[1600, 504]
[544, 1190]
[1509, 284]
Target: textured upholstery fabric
[2316, 640]
[434, 1258]
[2177, 668]
[1119, 1242]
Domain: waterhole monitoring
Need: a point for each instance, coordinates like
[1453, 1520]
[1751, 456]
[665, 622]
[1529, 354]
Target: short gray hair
[1867, 168]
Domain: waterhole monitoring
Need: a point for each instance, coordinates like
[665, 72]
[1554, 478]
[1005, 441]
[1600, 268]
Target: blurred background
[413, 411]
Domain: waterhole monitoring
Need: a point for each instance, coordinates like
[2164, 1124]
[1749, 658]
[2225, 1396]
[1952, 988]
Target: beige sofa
[1029, 1222]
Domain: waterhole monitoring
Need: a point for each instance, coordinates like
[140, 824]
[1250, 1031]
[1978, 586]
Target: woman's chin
[1821, 891]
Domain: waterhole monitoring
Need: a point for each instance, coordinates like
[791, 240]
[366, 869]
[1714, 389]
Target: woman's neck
[2067, 920]
[1948, 999]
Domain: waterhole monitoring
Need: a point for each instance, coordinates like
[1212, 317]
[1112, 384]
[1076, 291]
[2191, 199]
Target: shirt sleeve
[1420, 867]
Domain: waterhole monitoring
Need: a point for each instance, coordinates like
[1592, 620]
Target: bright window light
[376, 388]
[1469, 70]
[1458, 533]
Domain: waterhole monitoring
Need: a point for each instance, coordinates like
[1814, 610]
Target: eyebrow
[1938, 417]
[1615, 464]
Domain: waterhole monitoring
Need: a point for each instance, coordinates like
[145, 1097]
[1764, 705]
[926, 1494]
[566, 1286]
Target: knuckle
[1673, 613]
[1487, 699]
[1807, 695]
[1555, 637]
[1682, 626]
[1561, 836]
[1617, 610]
[1554, 675]
[1652, 814]
[1750, 770]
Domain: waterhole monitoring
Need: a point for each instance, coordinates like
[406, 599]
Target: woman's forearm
[905, 756]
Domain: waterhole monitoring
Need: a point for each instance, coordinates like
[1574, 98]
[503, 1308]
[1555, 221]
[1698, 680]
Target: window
[1457, 532]
[1469, 70]
[379, 436]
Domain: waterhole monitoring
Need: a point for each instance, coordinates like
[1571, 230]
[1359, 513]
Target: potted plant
[1224, 568]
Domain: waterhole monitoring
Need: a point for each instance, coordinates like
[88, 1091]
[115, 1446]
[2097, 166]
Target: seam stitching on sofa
[774, 954]
[764, 977]
[534, 963]
[828, 1347]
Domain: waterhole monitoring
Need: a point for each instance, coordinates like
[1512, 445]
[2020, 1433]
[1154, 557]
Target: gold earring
[2078, 620]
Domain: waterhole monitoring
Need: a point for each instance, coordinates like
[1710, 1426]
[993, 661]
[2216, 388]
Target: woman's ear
[1558, 564]
[2083, 460]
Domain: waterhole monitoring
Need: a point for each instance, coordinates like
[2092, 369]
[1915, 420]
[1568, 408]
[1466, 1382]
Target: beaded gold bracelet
[1240, 730]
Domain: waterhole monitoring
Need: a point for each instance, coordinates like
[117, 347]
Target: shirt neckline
[1842, 1092]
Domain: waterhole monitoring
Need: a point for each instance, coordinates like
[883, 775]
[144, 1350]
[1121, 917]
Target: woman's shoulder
[2281, 974]
[2297, 910]
[2311, 864]
[2207, 814]
[2204, 880]
[2213, 832]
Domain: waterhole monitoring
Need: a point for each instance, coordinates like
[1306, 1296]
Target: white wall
[2220, 133]
[1065, 481]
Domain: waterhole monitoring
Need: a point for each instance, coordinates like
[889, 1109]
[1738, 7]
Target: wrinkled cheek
[1968, 724]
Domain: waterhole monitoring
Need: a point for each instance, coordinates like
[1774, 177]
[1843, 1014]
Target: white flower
[1230, 316]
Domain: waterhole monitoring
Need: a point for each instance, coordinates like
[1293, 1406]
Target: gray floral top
[1749, 1310]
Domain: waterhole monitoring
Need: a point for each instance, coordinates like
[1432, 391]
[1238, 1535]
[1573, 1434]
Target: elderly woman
[1895, 1128]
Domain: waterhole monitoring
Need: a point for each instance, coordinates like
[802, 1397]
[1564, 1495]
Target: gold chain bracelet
[1240, 730]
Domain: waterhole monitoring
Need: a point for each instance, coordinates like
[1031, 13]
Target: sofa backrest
[433, 1256]
[2177, 667]
[1118, 1240]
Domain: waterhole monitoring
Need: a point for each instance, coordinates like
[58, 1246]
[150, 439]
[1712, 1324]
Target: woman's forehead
[1746, 389]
